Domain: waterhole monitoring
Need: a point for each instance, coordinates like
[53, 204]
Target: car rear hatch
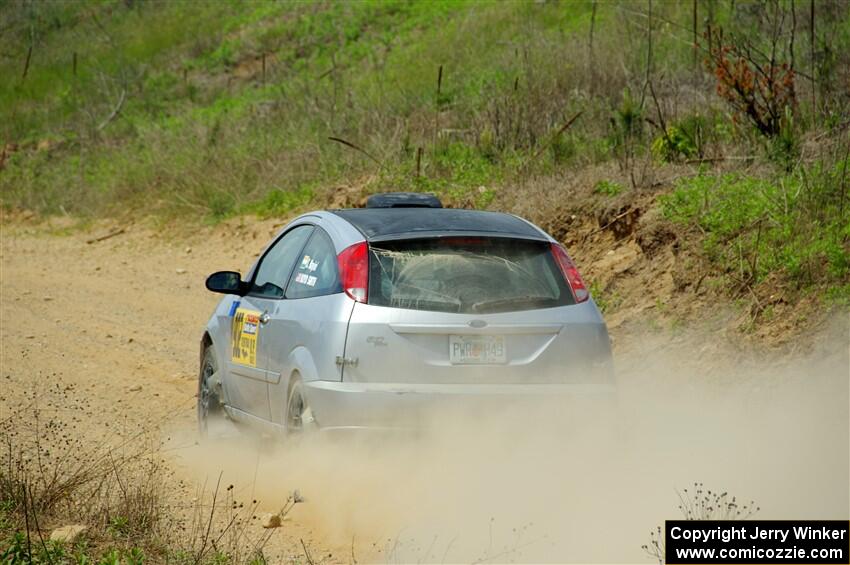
[470, 310]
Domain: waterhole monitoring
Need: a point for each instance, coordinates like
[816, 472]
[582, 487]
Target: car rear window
[466, 275]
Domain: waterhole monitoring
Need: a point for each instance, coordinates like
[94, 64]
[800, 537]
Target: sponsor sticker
[243, 334]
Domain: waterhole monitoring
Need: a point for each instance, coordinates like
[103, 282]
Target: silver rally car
[364, 318]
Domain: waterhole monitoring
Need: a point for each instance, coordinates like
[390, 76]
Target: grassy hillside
[202, 127]
[731, 116]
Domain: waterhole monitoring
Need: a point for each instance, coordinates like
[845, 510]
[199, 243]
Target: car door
[308, 328]
[248, 389]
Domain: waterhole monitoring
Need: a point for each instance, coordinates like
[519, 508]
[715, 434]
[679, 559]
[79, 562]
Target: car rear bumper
[338, 405]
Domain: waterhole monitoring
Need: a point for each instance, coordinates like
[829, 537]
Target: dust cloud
[570, 482]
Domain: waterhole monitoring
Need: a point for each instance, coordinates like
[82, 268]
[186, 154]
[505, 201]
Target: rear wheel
[299, 417]
[211, 413]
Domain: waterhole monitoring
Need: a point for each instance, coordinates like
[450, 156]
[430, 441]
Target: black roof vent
[403, 200]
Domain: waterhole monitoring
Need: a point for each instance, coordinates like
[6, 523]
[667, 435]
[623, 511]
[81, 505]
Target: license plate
[477, 349]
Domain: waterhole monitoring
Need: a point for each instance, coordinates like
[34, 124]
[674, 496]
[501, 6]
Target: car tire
[211, 415]
[299, 417]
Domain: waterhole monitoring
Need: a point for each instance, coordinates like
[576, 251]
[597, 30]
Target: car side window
[274, 269]
[316, 272]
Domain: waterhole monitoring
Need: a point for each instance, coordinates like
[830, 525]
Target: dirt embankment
[650, 273]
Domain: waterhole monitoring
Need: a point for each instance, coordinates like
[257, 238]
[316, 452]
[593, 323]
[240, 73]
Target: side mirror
[226, 282]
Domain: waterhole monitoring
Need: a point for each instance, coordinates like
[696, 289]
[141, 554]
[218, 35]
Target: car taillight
[354, 271]
[570, 272]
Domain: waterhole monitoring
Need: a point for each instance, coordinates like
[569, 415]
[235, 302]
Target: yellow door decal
[243, 334]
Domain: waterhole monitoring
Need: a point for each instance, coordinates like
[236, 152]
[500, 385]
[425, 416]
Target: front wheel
[211, 413]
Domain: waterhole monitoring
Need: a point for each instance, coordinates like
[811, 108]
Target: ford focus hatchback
[366, 318]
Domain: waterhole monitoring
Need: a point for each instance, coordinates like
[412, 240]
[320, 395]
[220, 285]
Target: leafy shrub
[684, 139]
[608, 188]
[756, 86]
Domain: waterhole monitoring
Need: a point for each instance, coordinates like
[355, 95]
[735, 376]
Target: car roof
[381, 224]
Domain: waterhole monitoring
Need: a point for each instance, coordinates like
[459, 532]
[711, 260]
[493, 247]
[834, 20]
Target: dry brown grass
[52, 476]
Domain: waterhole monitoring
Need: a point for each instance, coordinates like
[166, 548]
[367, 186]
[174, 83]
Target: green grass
[279, 202]
[194, 133]
[18, 551]
[793, 223]
[608, 188]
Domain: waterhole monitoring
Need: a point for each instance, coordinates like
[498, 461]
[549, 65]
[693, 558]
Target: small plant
[562, 148]
[608, 188]
[604, 299]
[700, 503]
[683, 140]
[23, 550]
[784, 147]
[627, 119]
[17, 550]
[118, 526]
[220, 205]
[627, 133]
